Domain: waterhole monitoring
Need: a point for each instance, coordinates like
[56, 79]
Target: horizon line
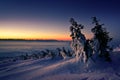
[32, 39]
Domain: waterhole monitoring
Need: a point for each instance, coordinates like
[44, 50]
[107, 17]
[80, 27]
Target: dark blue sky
[59, 12]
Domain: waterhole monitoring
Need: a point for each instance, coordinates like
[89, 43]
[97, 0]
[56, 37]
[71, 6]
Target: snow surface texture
[64, 69]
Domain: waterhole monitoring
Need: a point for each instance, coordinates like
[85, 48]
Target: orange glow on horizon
[36, 36]
[34, 31]
[32, 35]
[40, 38]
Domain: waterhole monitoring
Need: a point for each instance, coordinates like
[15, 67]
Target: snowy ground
[67, 69]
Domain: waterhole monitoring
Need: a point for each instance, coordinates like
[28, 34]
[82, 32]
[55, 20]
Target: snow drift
[61, 69]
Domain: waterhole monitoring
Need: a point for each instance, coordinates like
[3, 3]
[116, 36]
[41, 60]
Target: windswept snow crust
[61, 69]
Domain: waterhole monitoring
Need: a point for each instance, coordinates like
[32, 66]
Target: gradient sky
[49, 19]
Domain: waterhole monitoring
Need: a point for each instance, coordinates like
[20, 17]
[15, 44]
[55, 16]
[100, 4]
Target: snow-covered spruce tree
[78, 40]
[102, 37]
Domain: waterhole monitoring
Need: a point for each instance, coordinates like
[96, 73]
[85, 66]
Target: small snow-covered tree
[78, 40]
[102, 38]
